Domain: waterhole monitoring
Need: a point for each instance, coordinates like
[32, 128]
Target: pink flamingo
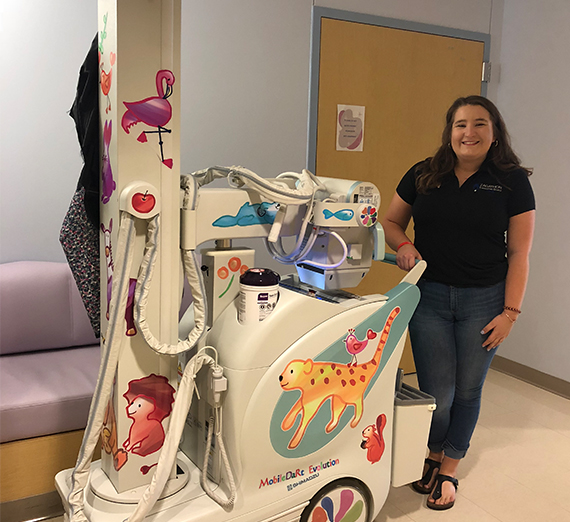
[155, 111]
[354, 346]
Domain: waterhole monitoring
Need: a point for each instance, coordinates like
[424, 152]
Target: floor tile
[390, 512]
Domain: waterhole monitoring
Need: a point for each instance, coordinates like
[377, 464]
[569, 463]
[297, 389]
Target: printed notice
[350, 128]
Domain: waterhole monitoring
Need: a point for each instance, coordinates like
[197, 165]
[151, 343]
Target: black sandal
[440, 479]
[422, 486]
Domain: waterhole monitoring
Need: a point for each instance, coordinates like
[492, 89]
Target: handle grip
[414, 274]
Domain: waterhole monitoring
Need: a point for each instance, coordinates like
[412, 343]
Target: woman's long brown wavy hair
[434, 169]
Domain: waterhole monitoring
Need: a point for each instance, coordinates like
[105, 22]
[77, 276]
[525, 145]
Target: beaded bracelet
[512, 309]
[404, 243]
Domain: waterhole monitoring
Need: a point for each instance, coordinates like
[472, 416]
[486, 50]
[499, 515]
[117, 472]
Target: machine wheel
[344, 500]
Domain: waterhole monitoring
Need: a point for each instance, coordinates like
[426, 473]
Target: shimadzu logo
[485, 186]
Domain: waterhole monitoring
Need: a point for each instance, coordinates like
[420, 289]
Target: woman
[473, 210]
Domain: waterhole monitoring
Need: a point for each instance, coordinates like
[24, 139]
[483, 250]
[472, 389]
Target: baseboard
[39, 507]
[532, 376]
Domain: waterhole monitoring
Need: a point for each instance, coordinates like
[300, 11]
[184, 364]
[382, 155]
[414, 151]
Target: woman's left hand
[498, 329]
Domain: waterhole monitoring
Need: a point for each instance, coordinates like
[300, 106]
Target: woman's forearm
[394, 233]
[515, 284]
[519, 241]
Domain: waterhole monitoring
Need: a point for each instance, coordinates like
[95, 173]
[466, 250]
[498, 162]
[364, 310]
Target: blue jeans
[451, 363]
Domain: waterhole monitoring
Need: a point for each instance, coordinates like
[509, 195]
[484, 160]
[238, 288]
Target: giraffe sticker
[319, 382]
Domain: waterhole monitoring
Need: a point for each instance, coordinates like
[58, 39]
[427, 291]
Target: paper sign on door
[350, 128]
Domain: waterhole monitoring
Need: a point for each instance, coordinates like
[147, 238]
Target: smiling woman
[473, 210]
[471, 139]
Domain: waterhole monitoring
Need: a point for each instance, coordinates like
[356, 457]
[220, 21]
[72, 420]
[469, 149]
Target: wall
[43, 45]
[245, 79]
[245, 76]
[459, 14]
[532, 94]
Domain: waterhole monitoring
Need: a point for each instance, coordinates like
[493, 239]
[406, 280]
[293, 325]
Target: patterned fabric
[80, 241]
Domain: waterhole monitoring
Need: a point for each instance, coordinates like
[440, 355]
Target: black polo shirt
[460, 231]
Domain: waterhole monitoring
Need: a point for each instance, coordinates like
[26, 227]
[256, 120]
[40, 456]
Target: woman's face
[471, 134]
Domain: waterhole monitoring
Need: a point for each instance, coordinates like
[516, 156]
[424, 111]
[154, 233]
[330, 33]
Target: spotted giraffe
[344, 385]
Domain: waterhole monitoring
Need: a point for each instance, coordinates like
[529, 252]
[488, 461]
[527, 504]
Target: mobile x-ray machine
[282, 402]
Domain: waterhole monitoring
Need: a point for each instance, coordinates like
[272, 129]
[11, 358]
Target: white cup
[259, 293]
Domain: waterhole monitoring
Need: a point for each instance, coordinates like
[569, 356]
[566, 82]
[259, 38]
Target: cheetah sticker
[343, 384]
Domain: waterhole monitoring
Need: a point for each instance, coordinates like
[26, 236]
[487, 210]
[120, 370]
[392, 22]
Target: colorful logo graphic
[338, 507]
[368, 215]
[299, 476]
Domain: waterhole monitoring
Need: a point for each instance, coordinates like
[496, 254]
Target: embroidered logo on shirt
[485, 186]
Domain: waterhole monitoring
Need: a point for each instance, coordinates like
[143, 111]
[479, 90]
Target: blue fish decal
[343, 215]
[256, 214]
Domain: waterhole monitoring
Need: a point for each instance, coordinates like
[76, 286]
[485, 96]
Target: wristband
[509, 317]
[512, 309]
[402, 244]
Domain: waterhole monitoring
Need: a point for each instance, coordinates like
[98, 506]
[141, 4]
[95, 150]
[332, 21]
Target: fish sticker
[343, 215]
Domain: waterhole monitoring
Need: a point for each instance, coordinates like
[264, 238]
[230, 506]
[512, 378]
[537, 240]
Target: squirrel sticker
[373, 441]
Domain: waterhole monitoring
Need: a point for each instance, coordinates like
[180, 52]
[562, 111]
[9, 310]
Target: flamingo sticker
[155, 111]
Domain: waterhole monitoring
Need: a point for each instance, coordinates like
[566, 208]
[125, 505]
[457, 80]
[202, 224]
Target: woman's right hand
[406, 257]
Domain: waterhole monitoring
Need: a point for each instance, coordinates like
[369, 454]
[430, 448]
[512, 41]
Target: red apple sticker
[143, 203]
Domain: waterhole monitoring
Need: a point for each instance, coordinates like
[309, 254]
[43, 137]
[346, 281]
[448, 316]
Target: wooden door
[405, 80]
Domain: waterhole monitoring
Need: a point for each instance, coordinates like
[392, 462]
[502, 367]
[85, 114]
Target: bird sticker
[354, 346]
[154, 111]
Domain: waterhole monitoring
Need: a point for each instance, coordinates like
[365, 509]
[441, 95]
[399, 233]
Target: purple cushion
[40, 308]
[46, 392]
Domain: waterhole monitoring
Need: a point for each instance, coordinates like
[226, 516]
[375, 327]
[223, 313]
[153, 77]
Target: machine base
[103, 488]
[104, 504]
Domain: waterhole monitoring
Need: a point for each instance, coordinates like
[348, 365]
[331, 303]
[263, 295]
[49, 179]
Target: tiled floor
[518, 467]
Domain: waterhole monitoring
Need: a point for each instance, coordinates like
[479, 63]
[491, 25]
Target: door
[405, 80]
